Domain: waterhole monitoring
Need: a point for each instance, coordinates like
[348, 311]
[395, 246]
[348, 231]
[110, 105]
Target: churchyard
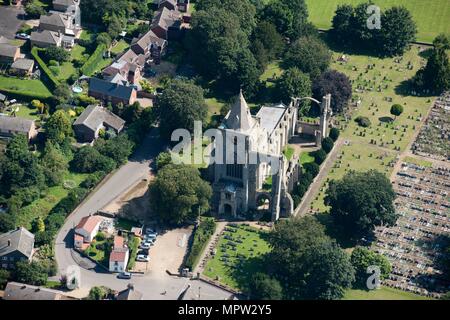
[377, 85]
[237, 255]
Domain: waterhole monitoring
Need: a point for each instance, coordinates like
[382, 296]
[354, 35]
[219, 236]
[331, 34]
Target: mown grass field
[431, 16]
[384, 293]
[24, 86]
[233, 267]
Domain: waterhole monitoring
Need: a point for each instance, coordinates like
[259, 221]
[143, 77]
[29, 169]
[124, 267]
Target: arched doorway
[227, 209]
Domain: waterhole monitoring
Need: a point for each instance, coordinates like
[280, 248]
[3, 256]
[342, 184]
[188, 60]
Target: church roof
[239, 117]
[270, 116]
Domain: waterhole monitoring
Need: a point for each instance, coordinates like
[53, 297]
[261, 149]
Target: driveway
[156, 284]
[11, 19]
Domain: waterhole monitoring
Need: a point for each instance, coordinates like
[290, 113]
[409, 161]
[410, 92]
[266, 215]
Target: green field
[384, 293]
[24, 86]
[233, 267]
[432, 16]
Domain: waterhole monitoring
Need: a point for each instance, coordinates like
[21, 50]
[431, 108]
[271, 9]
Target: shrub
[334, 133]
[312, 168]
[56, 54]
[55, 70]
[53, 63]
[363, 121]
[91, 64]
[319, 156]
[202, 235]
[48, 76]
[327, 144]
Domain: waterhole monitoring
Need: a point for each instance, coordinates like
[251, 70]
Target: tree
[311, 168]
[179, 106]
[264, 287]
[33, 10]
[289, 18]
[338, 85]
[38, 225]
[178, 194]
[396, 110]
[62, 94]
[98, 293]
[294, 84]
[114, 27]
[59, 127]
[267, 34]
[30, 273]
[89, 160]
[398, 30]
[327, 144]
[334, 133]
[4, 278]
[54, 164]
[319, 156]
[362, 258]
[118, 148]
[163, 159]
[306, 262]
[342, 20]
[309, 54]
[360, 202]
[56, 54]
[442, 41]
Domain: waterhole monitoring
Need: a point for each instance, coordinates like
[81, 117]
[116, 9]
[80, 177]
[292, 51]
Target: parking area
[12, 19]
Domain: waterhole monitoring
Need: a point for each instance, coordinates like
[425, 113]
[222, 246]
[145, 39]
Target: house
[118, 259]
[94, 118]
[16, 245]
[150, 44]
[129, 66]
[64, 5]
[86, 230]
[8, 53]
[22, 67]
[166, 24]
[168, 4]
[10, 126]
[112, 92]
[129, 294]
[59, 22]
[21, 291]
[46, 38]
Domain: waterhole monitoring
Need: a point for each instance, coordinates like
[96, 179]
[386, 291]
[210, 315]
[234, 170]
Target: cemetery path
[314, 188]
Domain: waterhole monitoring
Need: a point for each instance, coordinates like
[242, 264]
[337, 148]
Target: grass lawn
[431, 16]
[42, 206]
[97, 252]
[272, 72]
[77, 52]
[306, 157]
[288, 152]
[384, 293]
[233, 267]
[419, 162]
[27, 112]
[120, 47]
[24, 86]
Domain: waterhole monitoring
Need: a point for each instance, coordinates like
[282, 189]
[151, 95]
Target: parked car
[23, 36]
[124, 275]
[149, 237]
[145, 245]
[143, 258]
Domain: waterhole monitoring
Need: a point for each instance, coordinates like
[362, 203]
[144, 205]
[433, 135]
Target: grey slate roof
[95, 116]
[23, 64]
[147, 39]
[110, 89]
[55, 19]
[239, 117]
[7, 50]
[15, 124]
[66, 2]
[165, 18]
[21, 291]
[21, 240]
[271, 116]
[2, 97]
[45, 36]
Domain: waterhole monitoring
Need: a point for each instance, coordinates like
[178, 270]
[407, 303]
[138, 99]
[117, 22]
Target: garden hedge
[91, 64]
[48, 78]
[202, 234]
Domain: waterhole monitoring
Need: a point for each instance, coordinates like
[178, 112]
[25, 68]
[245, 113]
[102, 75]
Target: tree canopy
[294, 84]
[362, 258]
[178, 194]
[338, 85]
[360, 202]
[59, 127]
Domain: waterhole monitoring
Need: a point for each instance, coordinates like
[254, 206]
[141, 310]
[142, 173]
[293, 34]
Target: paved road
[153, 284]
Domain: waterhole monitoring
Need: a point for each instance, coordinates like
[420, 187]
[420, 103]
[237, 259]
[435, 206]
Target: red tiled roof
[88, 223]
[77, 237]
[118, 242]
[118, 255]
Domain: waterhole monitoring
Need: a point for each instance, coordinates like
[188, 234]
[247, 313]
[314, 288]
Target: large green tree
[294, 84]
[54, 164]
[360, 201]
[310, 55]
[180, 104]
[362, 258]
[264, 287]
[59, 127]
[178, 194]
[338, 85]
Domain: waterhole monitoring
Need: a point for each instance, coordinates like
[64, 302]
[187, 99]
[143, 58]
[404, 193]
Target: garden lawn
[27, 112]
[120, 47]
[272, 72]
[384, 293]
[431, 16]
[306, 157]
[24, 86]
[233, 272]
[96, 254]
[42, 206]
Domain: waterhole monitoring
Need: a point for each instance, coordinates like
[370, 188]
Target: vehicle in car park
[124, 275]
[145, 245]
[143, 258]
[23, 36]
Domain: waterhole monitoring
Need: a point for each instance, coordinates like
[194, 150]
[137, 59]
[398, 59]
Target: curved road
[153, 285]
